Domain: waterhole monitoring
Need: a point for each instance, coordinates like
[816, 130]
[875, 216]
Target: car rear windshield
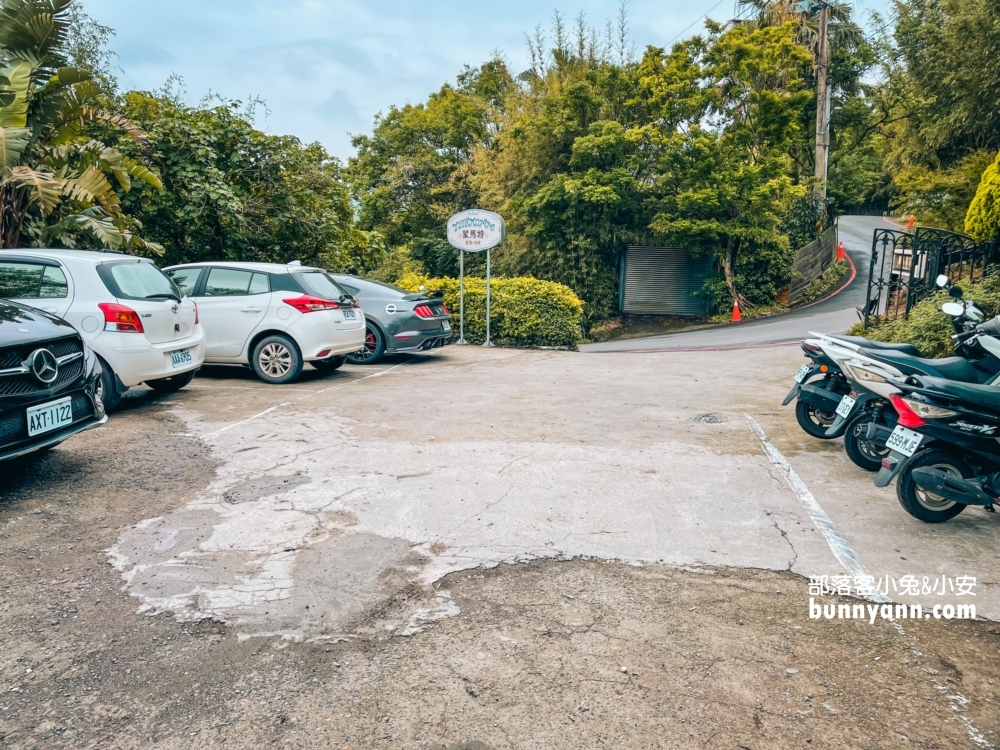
[321, 284]
[137, 281]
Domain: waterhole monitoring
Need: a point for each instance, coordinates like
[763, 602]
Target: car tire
[924, 505]
[107, 388]
[814, 421]
[328, 365]
[172, 384]
[276, 360]
[373, 350]
[861, 451]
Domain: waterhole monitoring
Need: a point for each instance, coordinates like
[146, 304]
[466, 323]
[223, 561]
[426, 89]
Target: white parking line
[843, 552]
[838, 545]
[378, 374]
[244, 421]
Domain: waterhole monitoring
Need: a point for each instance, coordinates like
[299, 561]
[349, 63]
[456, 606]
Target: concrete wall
[812, 261]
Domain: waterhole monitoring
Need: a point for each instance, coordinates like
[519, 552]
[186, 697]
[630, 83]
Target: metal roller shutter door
[661, 280]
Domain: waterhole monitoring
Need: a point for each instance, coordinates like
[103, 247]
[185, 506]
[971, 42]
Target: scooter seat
[881, 345]
[986, 396]
[948, 368]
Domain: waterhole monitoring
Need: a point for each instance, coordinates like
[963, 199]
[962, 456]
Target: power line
[704, 15]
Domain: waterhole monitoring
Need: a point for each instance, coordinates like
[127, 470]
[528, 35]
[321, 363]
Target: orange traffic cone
[840, 252]
[911, 222]
[736, 311]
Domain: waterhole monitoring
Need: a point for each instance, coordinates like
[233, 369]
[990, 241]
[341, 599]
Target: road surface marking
[244, 421]
[378, 374]
[838, 545]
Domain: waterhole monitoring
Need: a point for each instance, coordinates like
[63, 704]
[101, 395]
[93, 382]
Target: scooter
[867, 410]
[903, 442]
[818, 398]
[827, 407]
[946, 446]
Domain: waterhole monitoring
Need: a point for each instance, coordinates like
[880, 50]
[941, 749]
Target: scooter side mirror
[955, 292]
[953, 309]
[942, 281]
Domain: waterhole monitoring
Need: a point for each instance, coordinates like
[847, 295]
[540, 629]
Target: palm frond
[13, 141]
[18, 76]
[92, 186]
[43, 187]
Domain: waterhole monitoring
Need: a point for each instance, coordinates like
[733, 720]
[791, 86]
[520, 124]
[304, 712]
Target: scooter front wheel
[815, 422]
[924, 505]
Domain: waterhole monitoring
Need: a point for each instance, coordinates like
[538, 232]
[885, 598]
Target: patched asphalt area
[559, 652]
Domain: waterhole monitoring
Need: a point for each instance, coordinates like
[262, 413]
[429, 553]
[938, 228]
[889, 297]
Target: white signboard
[475, 230]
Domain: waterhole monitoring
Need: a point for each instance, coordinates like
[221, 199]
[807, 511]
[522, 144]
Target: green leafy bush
[983, 218]
[524, 311]
[928, 328]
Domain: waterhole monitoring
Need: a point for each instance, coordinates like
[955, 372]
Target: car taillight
[444, 309]
[120, 318]
[307, 304]
[423, 311]
[907, 417]
[195, 311]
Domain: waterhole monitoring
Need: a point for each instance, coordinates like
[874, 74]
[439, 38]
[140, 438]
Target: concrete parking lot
[512, 548]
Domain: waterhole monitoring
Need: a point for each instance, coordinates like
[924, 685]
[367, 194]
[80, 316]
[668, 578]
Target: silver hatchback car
[396, 321]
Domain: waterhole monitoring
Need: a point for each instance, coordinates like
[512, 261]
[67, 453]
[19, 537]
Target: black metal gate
[904, 267]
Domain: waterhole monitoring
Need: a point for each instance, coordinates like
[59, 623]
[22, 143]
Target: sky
[325, 68]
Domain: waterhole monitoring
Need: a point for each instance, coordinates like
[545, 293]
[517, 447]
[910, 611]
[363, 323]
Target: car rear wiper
[162, 296]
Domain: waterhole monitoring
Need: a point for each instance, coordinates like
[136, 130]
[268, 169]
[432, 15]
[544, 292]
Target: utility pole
[822, 99]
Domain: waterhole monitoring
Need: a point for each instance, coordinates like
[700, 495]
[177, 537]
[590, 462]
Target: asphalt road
[834, 315]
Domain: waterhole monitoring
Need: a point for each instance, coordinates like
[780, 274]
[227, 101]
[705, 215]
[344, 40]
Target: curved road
[834, 315]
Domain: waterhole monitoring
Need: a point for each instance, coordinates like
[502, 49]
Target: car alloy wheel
[275, 360]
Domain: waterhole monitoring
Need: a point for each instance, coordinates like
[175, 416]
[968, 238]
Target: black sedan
[47, 381]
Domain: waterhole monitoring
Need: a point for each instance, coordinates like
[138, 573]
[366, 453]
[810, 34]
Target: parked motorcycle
[945, 447]
[867, 410]
[818, 397]
[852, 398]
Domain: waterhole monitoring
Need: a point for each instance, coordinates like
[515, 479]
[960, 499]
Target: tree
[407, 175]
[56, 186]
[983, 218]
[234, 192]
[726, 189]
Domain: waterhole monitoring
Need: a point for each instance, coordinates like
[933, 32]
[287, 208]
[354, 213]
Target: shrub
[983, 218]
[524, 311]
[927, 328]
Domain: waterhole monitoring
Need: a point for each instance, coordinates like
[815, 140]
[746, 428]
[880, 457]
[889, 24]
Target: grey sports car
[397, 321]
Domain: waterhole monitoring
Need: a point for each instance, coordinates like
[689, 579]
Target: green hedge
[928, 328]
[524, 311]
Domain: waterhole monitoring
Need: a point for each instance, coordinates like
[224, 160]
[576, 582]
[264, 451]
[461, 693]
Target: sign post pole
[461, 297]
[487, 342]
[473, 231]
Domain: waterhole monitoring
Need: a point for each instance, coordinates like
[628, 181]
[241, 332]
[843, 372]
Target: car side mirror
[942, 281]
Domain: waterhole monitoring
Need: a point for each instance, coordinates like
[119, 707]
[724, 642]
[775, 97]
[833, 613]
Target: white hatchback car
[125, 308]
[272, 317]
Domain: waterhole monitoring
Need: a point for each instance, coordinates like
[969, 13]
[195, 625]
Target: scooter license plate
[803, 373]
[904, 441]
[845, 406]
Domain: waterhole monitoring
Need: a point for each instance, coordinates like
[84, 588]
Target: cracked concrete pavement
[471, 501]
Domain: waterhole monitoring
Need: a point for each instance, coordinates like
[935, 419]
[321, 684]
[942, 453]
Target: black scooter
[945, 448]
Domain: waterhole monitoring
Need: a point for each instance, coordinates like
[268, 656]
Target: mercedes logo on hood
[43, 366]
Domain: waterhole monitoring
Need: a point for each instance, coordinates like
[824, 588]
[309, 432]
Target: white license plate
[50, 416]
[904, 441]
[349, 315]
[801, 374]
[845, 406]
[180, 358]
[446, 325]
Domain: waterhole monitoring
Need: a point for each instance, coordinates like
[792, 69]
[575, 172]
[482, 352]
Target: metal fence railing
[905, 265]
